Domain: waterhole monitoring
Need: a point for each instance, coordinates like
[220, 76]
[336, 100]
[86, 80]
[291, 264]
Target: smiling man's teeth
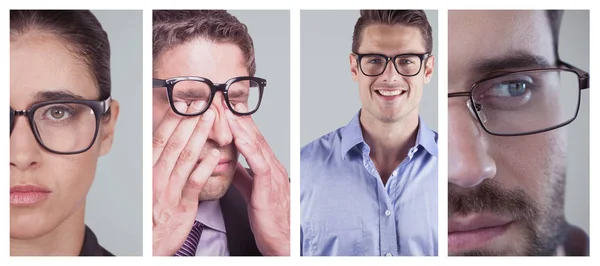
[389, 93]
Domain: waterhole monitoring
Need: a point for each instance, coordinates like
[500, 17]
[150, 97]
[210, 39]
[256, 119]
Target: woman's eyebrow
[57, 95]
[513, 61]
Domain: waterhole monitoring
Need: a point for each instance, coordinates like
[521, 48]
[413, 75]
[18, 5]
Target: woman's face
[43, 68]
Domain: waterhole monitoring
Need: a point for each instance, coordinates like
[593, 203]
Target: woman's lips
[27, 195]
[473, 231]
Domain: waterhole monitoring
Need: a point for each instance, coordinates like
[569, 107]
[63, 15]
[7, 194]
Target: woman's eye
[58, 113]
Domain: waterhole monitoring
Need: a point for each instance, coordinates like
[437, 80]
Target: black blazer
[240, 239]
[91, 247]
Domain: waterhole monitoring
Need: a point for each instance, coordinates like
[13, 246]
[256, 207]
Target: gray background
[574, 48]
[329, 96]
[114, 204]
[270, 31]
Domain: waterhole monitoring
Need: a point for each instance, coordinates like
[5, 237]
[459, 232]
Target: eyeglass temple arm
[106, 104]
[584, 77]
[158, 83]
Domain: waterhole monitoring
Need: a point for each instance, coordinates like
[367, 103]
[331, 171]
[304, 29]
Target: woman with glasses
[62, 119]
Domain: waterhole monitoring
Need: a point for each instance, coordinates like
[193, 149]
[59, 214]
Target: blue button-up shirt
[347, 211]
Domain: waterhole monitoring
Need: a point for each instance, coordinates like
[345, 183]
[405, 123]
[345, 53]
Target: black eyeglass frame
[100, 108]
[584, 83]
[214, 88]
[423, 57]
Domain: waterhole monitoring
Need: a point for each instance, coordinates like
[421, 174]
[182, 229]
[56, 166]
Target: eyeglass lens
[373, 65]
[243, 96]
[527, 101]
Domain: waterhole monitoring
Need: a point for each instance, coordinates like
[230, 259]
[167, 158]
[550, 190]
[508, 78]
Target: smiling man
[510, 97]
[370, 187]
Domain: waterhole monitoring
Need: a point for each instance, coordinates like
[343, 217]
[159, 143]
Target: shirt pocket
[336, 237]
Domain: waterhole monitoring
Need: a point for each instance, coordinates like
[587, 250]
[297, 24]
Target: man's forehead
[396, 38]
[201, 57]
[475, 36]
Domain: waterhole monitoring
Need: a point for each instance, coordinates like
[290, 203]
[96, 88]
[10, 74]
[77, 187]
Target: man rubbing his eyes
[198, 136]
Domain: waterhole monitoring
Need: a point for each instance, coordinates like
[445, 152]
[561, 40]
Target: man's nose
[469, 162]
[390, 75]
[220, 132]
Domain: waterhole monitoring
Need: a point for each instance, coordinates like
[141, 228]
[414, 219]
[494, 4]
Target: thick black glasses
[64, 126]
[407, 65]
[242, 94]
[527, 102]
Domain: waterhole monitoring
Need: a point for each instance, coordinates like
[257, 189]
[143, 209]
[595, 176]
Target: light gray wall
[574, 48]
[270, 31]
[328, 95]
[114, 204]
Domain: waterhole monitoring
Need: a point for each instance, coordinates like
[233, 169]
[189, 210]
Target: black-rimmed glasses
[528, 101]
[242, 94]
[64, 126]
[407, 65]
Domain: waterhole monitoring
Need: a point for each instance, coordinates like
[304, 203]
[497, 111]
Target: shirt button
[388, 213]
[388, 254]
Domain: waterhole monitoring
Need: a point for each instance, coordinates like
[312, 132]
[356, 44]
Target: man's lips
[390, 92]
[474, 222]
[473, 231]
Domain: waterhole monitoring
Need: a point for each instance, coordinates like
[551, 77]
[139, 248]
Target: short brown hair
[555, 19]
[175, 27]
[413, 18]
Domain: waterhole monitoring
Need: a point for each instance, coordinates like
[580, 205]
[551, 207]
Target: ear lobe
[108, 129]
[429, 66]
[353, 67]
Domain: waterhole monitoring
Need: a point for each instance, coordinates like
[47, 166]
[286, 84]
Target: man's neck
[64, 240]
[389, 142]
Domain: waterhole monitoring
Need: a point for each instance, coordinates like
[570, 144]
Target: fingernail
[208, 115]
[215, 152]
[180, 106]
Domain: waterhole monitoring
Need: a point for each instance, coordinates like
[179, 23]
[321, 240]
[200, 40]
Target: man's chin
[216, 186]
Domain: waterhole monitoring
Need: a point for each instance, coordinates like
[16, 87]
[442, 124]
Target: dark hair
[81, 32]
[555, 18]
[175, 27]
[413, 18]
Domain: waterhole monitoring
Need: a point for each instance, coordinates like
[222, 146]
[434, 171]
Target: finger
[177, 141]
[243, 181]
[161, 134]
[198, 178]
[245, 129]
[251, 151]
[188, 158]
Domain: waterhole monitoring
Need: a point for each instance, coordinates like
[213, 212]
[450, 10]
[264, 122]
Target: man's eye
[509, 89]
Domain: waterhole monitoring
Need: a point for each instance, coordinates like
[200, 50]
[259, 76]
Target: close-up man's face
[505, 192]
[390, 96]
[217, 62]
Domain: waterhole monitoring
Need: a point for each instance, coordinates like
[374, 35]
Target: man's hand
[177, 180]
[267, 191]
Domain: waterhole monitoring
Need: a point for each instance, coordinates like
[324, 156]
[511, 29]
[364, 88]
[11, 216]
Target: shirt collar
[427, 138]
[352, 136]
[209, 214]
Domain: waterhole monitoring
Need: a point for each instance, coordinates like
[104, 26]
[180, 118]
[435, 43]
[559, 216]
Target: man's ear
[429, 66]
[108, 128]
[353, 67]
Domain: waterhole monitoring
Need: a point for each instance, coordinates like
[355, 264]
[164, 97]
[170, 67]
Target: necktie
[191, 243]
